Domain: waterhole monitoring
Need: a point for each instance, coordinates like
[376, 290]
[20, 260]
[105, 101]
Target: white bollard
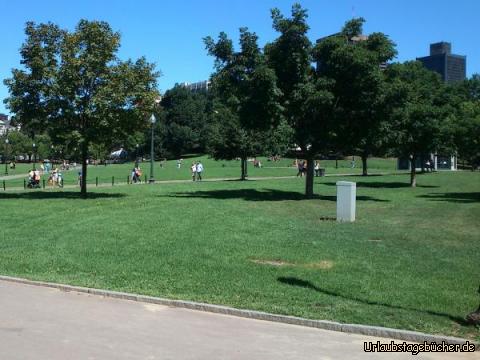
[346, 201]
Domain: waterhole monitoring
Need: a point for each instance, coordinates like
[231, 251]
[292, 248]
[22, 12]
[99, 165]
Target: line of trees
[340, 95]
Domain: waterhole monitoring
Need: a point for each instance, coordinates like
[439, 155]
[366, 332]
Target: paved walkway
[43, 323]
[185, 181]
[25, 174]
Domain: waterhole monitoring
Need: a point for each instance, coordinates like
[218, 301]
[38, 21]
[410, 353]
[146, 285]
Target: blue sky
[169, 33]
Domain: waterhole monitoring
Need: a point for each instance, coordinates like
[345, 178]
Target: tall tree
[19, 144]
[467, 125]
[355, 62]
[185, 120]
[307, 98]
[419, 111]
[246, 88]
[74, 86]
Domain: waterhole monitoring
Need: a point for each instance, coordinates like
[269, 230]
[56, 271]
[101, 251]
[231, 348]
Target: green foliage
[417, 96]
[307, 99]
[290, 54]
[74, 86]
[420, 111]
[185, 120]
[354, 64]
[247, 107]
[19, 143]
[353, 28]
[466, 128]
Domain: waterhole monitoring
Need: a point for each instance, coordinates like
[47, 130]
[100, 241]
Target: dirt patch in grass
[324, 264]
[272, 262]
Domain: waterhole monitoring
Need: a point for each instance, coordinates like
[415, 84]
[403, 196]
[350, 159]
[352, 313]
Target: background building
[451, 67]
[4, 124]
[198, 86]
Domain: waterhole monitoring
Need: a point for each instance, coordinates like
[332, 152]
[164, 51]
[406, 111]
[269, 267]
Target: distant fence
[17, 184]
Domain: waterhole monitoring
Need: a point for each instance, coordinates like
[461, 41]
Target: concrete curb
[376, 331]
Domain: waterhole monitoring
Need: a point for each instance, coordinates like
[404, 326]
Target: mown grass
[213, 169]
[410, 261]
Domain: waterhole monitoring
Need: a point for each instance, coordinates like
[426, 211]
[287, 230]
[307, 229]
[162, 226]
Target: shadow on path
[42, 195]
[260, 195]
[308, 285]
[465, 197]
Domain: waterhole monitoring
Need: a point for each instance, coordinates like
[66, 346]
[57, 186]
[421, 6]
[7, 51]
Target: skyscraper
[451, 67]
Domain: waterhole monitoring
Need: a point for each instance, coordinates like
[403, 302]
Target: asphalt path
[44, 323]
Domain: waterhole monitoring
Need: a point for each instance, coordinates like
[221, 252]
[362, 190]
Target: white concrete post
[346, 201]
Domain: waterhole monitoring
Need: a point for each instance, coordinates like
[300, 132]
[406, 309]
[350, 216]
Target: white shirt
[199, 167]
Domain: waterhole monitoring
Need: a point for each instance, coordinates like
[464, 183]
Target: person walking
[317, 168]
[133, 175]
[199, 170]
[193, 168]
[300, 168]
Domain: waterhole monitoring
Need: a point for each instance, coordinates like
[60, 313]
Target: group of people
[55, 178]
[34, 176]
[34, 179]
[302, 168]
[197, 170]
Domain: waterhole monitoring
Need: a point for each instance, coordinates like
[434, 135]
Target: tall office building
[451, 67]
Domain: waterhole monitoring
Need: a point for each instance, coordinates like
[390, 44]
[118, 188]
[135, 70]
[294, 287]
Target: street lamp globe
[6, 156]
[34, 155]
[153, 120]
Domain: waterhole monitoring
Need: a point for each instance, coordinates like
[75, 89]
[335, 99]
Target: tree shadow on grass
[292, 281]
[43, 195]
[260, 195]
[382, 185]
[464, 197]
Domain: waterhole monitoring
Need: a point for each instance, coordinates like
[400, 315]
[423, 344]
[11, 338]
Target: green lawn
[411, 261]
[213, 169]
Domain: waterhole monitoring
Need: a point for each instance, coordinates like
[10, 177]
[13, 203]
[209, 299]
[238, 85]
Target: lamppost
[153, 120]
[136, 155]
[34, 155]
[6, 156]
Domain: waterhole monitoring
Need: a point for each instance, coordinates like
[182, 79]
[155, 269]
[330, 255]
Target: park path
[25, 175]
[186, 181]
[44, 323]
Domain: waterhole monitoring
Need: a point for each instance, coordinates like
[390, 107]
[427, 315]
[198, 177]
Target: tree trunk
[83, 183]
[364, 165]
[244, 168]
[413, 171]
[422, 161]
[309, 180]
